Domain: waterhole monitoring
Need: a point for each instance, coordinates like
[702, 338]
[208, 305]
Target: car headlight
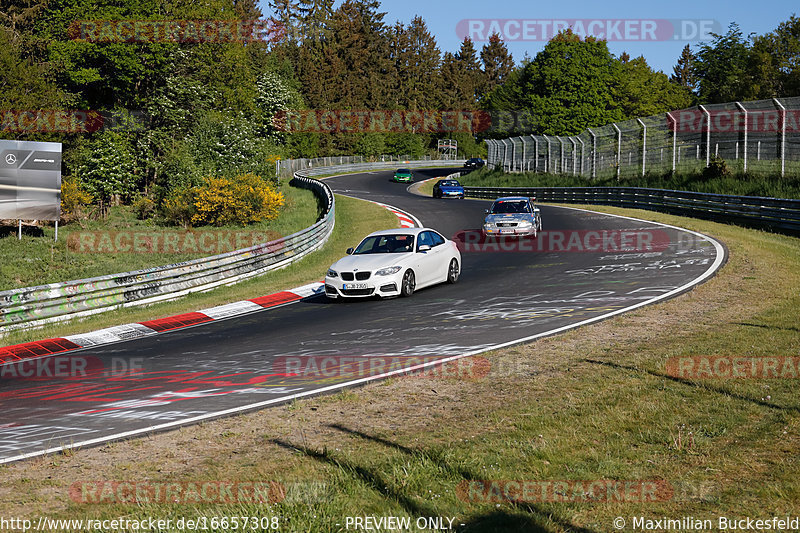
[332, 273]
[488, 224]
[524, 224]
[388, 271]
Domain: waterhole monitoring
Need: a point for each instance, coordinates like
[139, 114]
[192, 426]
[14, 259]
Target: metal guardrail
[775, 214]
[34, 306]
[381, 165]
[287, 167]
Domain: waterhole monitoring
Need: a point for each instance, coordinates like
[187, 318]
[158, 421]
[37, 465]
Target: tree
[774, 62]
[722, 68]
[683, 73]
[497, 62]
[569, 85]
[416, 61]
[641, 91]
[108, 169]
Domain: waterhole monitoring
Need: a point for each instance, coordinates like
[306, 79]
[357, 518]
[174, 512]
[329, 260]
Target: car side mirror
[486, 211]
[350, 251]
[424, 247]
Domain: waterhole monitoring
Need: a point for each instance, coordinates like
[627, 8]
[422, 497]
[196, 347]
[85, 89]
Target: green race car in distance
[403, 175]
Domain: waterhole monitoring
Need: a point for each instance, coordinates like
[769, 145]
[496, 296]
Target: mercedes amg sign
[30, 180]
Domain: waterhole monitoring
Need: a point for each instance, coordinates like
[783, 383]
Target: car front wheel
[409, 283]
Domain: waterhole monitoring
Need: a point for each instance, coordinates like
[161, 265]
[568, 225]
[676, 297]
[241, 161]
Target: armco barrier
[774, 214]
[34, 306]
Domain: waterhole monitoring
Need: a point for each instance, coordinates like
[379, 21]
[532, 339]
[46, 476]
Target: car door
[433, 263]
[426, 260]
[441, 257]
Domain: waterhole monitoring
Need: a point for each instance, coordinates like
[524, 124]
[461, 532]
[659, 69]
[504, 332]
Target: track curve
[221, 368]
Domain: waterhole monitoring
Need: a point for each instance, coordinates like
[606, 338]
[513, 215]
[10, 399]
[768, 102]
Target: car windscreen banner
[30, 180]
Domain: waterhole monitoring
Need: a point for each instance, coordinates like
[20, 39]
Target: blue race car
[448, 188]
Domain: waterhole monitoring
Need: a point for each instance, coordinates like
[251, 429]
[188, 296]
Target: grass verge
[354, 218]
[38, 260]
[594, 403]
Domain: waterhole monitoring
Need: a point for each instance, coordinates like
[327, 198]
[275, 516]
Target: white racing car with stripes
[394, 263]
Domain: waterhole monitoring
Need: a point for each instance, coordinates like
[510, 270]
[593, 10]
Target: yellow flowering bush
[74, 200]
[245, 199]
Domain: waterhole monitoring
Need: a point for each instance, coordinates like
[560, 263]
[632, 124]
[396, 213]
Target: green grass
[354, 219]
[744, 185]
[593, 403]
[37, 260]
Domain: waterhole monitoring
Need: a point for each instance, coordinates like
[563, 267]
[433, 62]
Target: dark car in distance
[474, 163]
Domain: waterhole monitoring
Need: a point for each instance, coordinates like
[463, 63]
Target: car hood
[507, 217]
[370, 262]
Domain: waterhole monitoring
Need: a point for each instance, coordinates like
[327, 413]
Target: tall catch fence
[759, 137]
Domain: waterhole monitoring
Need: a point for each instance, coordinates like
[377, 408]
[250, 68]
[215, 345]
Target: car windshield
[449, 183]
[385, 244]
[403, 171]
[510, 206]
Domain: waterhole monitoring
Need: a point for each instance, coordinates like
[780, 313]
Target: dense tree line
[176, 113]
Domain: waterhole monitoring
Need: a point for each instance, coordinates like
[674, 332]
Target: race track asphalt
[507, 293]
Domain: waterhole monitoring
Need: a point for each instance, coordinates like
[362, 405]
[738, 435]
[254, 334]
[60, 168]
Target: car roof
[401, 231]
[514, 198]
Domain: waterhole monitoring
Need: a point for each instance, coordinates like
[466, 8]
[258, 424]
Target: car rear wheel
[409, 283]
[453, 271]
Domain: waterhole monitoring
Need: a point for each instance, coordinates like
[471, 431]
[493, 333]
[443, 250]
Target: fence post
[513, 154]
[783, 135]
[594, 153]
[619, 147]
[535, 153]
[644, 143]
[574, 156]
[582, 154]
[505, 154]
[523, 153]
[561, 158]
[547, 161]
[674, 137]
[708, 134]
[746, 127]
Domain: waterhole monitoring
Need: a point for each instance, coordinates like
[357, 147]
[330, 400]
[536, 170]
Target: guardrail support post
[619, 148]
[594, 152]
[783, 135]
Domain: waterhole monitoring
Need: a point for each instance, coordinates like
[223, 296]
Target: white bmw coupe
[394, 263]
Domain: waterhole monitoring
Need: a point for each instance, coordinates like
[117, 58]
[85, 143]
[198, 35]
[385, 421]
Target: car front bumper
[509, 231]
[451, 194]
[383, 286]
